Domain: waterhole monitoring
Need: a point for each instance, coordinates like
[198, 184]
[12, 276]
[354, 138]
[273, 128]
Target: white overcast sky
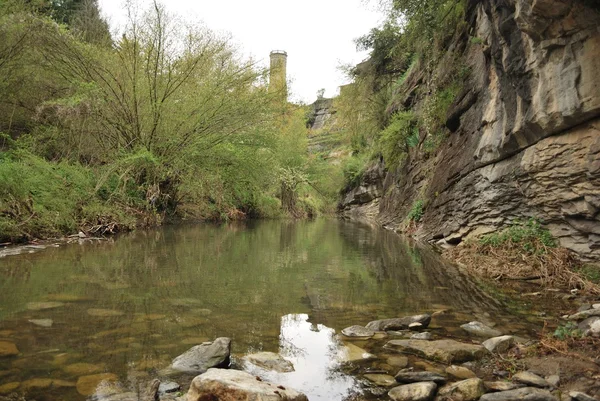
[318, 35]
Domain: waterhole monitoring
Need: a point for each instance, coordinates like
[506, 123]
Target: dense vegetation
[398, 102]
[167, 121]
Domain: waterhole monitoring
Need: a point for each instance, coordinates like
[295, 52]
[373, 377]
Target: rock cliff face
[525, 131]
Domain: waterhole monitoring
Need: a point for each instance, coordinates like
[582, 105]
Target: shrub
[416, 211]
[401, 133]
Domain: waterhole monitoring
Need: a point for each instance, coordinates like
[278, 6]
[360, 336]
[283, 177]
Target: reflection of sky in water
[314, 350]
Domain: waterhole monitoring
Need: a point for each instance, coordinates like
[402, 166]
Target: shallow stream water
[128, 305]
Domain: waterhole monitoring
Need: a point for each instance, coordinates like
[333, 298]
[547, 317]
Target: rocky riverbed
[409, 358]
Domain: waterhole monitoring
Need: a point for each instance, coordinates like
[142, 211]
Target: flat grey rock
[416, 377]
[168, 387]
[481, 330]
[502, 386]
[270, 361]
[229, 384]
[446, 351]
[421, 336]
[499, 344]
[423, 391]
[521, 394]
[579, 396]
[530, 379]
[401, 323]
[358, 331]
[200, 358]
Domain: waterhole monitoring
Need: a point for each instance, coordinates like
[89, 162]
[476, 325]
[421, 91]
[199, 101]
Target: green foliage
[398, 136]
[530, 236]
[476, 40]
[353, 169]
[416, 211]
[567, 331]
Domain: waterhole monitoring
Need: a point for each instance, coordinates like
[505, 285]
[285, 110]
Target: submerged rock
[270, 361]
[82, 369]
[9, 387]
[104, 312]
[481, 330]
[499, 344]
[87, 385]
[423, 391]
[231, 385]
[358, 332]
[465, 390]
[416, 377]
[380, 379]
[421, 336]
[200, 358]
[35, 306]
[401, 323]
[8, 348]
[446, 351]
[521, 394]
[42, 322]
[351, 353]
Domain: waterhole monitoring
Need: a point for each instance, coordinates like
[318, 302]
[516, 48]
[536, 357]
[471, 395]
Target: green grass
[528, 235]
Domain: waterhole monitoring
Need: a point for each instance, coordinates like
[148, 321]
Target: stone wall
[525, 131]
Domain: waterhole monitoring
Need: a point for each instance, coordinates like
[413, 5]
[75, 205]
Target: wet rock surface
[423, 391]
[234, 385]
[401, 323]
[270, 361]
[447, 351]
[480, 329]
[200, 358]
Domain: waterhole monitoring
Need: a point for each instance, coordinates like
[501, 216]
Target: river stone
[421, 336]
[579, 396]
[460, 372]
[234, 385]
[584, 314]
[481, 330]
[86, 385]
[9, 387]
[104, 312]
[36, 383]
[499, 344]
[381, 379]
[83, 369]
[415, 377]
[270, 361]
[464, 390]
[168, 387]
[446, 351]
[41, 322]
[399, 361]
[521, 394]
[553, 380]
[590, 326]
[530, 379]
[502, 386]
[351, 353]
[401, 323]
[43, 305]
[358, 332]
[423, 391]
[8, 348]
[200, 358]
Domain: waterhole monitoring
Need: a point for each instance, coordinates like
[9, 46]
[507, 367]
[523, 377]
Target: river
[128, 305]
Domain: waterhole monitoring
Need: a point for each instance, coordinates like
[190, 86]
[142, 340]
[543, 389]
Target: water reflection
[316, 354]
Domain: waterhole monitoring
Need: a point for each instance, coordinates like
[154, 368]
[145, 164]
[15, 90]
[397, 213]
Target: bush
[353, 169]
[416, 211]
[398, 136]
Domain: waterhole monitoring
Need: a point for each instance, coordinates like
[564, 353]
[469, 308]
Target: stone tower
[278, 73]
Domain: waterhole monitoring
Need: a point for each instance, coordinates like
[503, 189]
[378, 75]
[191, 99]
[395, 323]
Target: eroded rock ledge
[525, 132]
